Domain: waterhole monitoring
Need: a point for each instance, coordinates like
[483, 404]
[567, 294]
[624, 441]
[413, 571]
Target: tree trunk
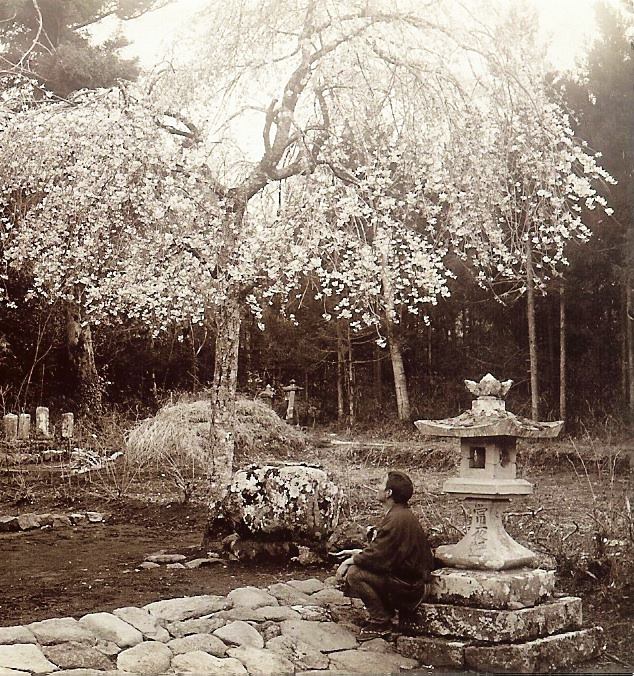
[400, 381]
[341, 360]
[88, 385]
[351, 393]
[532, 339]
[378, 377]
[396, 356]
[629, 328]
[223, 395]
[562, 352]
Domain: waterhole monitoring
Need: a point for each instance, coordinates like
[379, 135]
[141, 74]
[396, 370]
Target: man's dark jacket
[400, 550]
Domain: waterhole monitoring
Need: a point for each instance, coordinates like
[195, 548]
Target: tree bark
[88, 384]
[532, 338]
[223, 395]
[378, 377]
[562, 352]
[351, 393]
[629, 328]
[340, 375]
[396, 355]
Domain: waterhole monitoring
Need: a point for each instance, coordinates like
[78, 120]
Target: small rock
[175, 565]
[141, 619]
[330, 597]
[325, 636]
[61, 630]
[203, 563]
[363, 662]
[149, 658]
[60, 521]
[240, 633]
[165, 558]
[18, 634]
[108, 648]
[9, 524]
[77, 518]
[377, 645]
[307, 557]
[301, 654]
[109, 627]
[309, 586]
[251, 597]
[147, 565]
[205, 642]
[276, 613]
[73, 655]
[288, 595]
[25, 657]
[198, 662]
[313, 613]
[262, 662]
[203, 625]
[241, 613]
[28, 521]
[95, 517]
[187, 608]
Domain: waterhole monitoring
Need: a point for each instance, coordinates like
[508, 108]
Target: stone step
[502, 626]
[501, 589]
[542, 655]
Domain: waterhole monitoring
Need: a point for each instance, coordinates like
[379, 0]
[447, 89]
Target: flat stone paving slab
[10, 635]
[73, 655]
[432, 651]
[499, 626]
[25, 657]
[60, 630]
[190, 607]
[501, 589]
[325, 636]
[109, 627]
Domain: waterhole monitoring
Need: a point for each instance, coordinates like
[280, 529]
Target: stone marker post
[10, 423]
[41, 422]
[68, 423]
[24, 426]
[290, 390]
[491, 608]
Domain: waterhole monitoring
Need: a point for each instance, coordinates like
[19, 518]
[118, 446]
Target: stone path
[302, 627]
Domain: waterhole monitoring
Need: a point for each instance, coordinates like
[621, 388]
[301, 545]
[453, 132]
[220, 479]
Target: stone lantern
[290, 390]
[491, 608]
[487, 476]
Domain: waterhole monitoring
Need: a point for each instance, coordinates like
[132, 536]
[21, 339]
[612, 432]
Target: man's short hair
[401, 486]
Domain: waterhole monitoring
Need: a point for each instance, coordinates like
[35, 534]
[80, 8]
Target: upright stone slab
[490, 608]
[24, 426]
[41, 422]
[10, 425]
[68, 425]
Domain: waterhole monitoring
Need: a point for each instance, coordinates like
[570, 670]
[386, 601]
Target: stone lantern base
[501, 621]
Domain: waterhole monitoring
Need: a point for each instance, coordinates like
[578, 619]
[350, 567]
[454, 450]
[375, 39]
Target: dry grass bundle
[178, 434]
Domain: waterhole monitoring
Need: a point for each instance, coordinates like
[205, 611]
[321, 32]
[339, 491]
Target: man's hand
[342, 571]
[344, 553]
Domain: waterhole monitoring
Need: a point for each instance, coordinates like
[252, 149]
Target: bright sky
[568, 23]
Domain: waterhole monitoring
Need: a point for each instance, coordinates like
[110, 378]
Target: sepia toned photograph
[316, 337]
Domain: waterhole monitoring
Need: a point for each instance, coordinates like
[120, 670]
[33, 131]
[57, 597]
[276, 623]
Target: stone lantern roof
[488, 416]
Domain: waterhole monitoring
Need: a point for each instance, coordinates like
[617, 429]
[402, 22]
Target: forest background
[579, 365]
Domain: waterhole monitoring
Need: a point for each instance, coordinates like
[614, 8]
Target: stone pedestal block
[499, 626]
[433, 652]
[502, 590]
[543, 655]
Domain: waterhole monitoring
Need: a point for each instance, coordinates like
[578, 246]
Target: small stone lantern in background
[491, 608]
[290, 398]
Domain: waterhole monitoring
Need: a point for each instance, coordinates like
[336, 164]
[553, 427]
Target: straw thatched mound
[178, 434]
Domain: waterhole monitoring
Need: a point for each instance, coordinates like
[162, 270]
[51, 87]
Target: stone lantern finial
[489, 386]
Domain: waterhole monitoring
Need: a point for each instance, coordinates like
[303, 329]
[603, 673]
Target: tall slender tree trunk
[88, 384]
[562, 351]
[378, 376]
[223, 394]
[629, 329]
[351, 392]
[341, 363]
[394, 345]
[532, 338]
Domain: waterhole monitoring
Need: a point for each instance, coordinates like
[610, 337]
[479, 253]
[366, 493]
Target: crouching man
[392, 573]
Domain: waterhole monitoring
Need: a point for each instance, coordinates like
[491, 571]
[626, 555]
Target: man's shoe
[372, 630]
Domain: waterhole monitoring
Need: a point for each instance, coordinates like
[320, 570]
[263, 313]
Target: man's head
[398, 487]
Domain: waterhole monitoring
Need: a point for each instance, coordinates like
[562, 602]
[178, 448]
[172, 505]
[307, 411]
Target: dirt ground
[72, 571]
